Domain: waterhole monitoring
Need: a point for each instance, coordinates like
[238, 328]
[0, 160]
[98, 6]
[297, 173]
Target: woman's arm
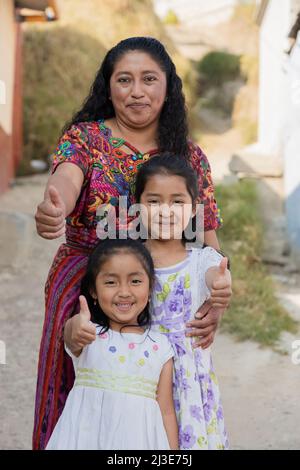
[166, 404]
[62, 191]
[68, 180]
[210, 239]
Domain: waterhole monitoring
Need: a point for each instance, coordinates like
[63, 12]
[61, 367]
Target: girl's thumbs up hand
[79, 330]
[84, 308]
[50, 215]
[223, 266]
[221, 286]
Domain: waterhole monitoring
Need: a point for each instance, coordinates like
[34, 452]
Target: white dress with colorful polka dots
[112, 404]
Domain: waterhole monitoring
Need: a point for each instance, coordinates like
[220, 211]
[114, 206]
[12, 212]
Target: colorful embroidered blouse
[109, 172]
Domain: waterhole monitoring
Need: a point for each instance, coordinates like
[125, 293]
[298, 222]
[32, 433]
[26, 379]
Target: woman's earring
[166, 98]
[95, 301]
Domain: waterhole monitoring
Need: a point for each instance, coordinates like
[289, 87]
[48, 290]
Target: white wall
[292, 147]
[7, 63]
[274, 29]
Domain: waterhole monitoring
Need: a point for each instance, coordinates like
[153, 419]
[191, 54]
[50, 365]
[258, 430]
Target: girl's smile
[124, 307]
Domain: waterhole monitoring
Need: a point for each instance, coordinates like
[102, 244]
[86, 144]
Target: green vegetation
[55, 84]
[254, 312]
[218, 67]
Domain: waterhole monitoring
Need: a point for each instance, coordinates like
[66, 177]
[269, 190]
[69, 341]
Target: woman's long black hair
[102, 252]
[173, 128]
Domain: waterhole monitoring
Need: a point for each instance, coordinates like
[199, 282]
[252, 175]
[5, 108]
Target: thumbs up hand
[221, 286]
[84, 309]
[50, 215]
[79, 331]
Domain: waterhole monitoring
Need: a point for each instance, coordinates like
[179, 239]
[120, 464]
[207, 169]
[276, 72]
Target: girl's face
[166, 207]
[138, 89]
[122, 289]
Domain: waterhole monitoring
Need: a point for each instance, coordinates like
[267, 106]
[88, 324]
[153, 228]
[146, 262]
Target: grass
[254, 313]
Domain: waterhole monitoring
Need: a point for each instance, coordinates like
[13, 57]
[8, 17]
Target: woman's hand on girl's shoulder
[203, 328]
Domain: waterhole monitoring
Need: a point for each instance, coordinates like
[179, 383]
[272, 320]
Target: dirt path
[21, 319]
[260, 391]
[260, 388]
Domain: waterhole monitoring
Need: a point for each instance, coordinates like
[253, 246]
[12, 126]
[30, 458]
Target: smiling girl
[166, 188]
[122, 395]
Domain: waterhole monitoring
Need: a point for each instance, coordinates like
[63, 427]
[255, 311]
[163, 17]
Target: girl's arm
[62, 191]
[166, 404]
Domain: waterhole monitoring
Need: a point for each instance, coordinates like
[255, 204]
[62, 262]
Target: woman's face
[138, 89]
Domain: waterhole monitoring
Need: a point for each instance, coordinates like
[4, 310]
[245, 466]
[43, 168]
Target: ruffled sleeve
[167, 351]
[73, 148]
[212, 218]
[201, 260]
[209, 258]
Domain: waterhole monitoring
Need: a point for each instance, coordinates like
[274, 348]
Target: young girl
[122, 396]
[167, 189]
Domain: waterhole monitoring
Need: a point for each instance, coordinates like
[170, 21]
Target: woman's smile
[138, 105]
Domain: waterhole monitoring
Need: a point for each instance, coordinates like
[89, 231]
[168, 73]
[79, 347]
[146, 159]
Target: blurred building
[279, 109]
[12, 14]
[275, 157]
[197, 12]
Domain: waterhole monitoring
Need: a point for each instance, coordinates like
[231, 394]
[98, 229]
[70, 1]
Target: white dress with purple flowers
[178, 293]
[113, 402]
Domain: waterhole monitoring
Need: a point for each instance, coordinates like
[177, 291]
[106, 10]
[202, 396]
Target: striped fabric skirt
[55, 369]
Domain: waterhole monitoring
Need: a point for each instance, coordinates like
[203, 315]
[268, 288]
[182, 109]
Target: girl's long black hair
[173, 128]
[102, 252]
[169, 164]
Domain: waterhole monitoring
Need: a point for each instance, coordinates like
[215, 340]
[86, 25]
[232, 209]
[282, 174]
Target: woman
[135, 109]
